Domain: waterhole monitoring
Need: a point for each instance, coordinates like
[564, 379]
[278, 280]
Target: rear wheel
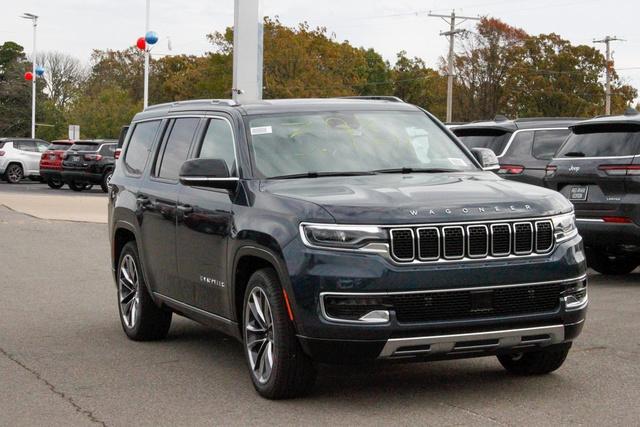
[279, 367]
[55, 183]
[106, 179]
[141, 318]
[75, 186]
[14, 173]
[604, 263]
[536, 362]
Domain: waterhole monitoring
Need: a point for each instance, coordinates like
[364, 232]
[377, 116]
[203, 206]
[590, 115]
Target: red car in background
[51, 163]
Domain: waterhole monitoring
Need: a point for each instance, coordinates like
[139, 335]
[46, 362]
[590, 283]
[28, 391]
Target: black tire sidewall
[130, 249]
[13, 166]
[105, 178]
[55, 184]
[77, 187]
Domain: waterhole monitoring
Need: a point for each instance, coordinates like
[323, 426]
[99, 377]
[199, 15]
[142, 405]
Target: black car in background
[89, 162]
[523, 146]
[598, 170]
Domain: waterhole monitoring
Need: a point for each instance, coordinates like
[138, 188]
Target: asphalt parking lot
[64, 359]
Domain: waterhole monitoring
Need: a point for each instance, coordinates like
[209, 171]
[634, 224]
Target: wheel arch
[247, 260]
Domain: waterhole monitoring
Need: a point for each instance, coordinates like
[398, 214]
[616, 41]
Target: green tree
[418, 84]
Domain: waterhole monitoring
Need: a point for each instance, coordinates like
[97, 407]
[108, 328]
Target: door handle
[185, 209]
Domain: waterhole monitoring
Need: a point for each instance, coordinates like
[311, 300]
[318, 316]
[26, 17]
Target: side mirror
[212, 173]
[487, 158]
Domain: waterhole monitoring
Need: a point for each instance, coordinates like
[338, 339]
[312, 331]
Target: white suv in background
[20, 157]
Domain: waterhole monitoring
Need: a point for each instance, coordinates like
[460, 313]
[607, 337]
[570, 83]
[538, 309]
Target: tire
[87, 187]
[14, 173]
[292, 372]
[141, 318]
[55, 183]
[611, 265]
[76, 186]
[106, 178]
[538, 362]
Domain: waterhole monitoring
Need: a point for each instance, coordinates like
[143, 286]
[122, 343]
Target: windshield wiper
[574, 154]
[416, 170]
[320, 174]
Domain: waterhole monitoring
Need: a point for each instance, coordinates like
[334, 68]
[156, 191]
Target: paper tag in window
[261, 130]
[457, 162]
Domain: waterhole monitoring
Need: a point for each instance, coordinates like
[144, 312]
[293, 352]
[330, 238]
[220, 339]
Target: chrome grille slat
[472, 241]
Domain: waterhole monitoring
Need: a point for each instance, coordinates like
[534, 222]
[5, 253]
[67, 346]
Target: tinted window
[41, 146]
[351, 141]
[494, 139]
[520, 147]
[176, 148]
[547, 142]
[218, 143]
[108, 150]
[84, 146]
[139, 146]
[25, 145]
[602, 141]
[63, 147]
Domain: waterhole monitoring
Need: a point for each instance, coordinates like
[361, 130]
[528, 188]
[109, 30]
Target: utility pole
[453, 31]
[34, 20]
[247, 51]
[607, 41]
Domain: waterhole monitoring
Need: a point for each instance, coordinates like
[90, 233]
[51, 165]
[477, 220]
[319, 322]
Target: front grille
[402, 246]
[460, 305]
[473, 241]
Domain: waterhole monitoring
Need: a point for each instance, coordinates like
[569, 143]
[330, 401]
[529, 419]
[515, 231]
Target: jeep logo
[574, 169]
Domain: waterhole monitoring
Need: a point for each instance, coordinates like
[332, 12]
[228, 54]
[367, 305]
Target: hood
[421, 198]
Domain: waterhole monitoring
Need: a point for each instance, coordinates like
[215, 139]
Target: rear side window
[176, 148]
[609, 140]
[108, 150]
[41, 146]
[494, 139]
[25, 145]
[218, 144]
[547, 142]
[139, 147]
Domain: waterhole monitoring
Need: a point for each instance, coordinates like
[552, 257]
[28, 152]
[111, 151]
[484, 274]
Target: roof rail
[194, 102]
[545, 119]
[374, 98]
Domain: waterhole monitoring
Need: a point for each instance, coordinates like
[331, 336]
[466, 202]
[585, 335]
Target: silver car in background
[20, 158]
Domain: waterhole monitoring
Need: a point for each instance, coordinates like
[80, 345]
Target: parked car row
[594, 163]
[79, 164]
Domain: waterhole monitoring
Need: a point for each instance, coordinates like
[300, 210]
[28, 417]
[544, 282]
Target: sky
[77, 27]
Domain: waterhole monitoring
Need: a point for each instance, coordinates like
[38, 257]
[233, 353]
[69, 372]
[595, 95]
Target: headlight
[341, 236]
[564, 227]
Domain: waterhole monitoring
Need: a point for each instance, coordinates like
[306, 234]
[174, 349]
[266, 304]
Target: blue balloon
[151, 37]
[39, 71]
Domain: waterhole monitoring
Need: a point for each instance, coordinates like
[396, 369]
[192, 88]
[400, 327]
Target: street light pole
[146, 61]
[34, 20]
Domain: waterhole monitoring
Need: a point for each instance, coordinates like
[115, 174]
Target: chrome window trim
[501, 254]
[544, 251]
[600, 220]
[592, 158]
[444, 242]
[413, 246]
[486, 230]
[418, 243]
[515, 238]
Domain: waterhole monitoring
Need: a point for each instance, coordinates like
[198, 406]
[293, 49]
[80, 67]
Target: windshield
[494, 139]
[608, 140]
[351, 141]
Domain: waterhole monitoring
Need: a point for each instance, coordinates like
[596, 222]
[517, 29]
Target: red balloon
[141, 43]
[28, 76]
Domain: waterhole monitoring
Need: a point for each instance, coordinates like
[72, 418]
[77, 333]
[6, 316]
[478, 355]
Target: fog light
[352, 308]
[576, 295]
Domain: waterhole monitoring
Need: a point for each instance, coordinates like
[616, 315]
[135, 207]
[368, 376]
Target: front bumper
[314, 273]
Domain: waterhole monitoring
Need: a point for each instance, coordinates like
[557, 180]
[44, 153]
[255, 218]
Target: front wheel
[537, 362]
[279, 367]
[141, 318]
[611, 265]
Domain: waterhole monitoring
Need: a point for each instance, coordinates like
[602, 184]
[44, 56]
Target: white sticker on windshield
[457, 162]
[261, 130]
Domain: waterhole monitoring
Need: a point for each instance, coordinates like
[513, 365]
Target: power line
[453, 31]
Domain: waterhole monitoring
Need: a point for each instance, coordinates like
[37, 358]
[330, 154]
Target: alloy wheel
[259, 335]
[14, 174]
[128, 291]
